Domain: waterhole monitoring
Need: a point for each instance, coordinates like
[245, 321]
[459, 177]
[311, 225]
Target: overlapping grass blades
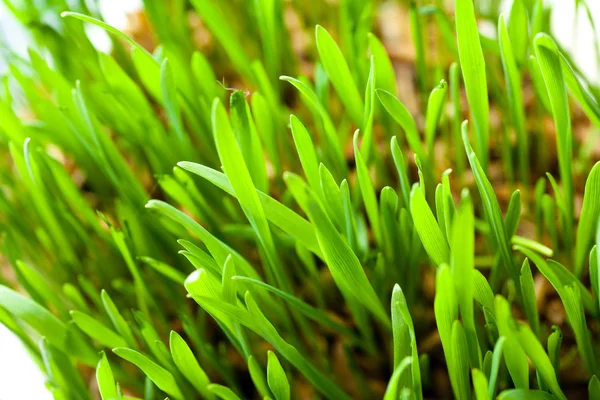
[323, 236]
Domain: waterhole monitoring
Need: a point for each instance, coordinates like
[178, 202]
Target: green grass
[285, 213]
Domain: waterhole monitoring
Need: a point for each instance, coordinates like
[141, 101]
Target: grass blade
[429, 231]
[472, 65]
[188, 365]
[276, 378]
[162, 378]
[96, 330]
[334, 63]
[549, 61]
[345, 267]
[515, 93]
[492, 212]
[590, 211]
[106, 380]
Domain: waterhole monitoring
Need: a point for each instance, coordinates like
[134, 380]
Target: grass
[283, 207]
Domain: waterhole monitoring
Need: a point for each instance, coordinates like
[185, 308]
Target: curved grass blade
[241, 181]
[280, 215]
[391, 392]
[594, 387]
[276, 378]
[435, 107]
[529, 394]
[529, 299]
[223, 392]
[402, 170]
[590, 211]
[480, 385]
[258, 377]
[254, 319]
[539, 359]
[514, 354]
[36, 316]
[117, 319]
[248, 140]
[549, 61]
[405, 344]
[219, 250]
[188, 365]
[495, 367]
[472, 65]
[560, 277]
[106, 380]
[303, 307]
[492, 212]
[331, 136]
[97, 331]
[162, 378]
[368, 191]
[588, 103]
[108, 28]
[429, 231]
[334, 63]
[345, 267]
[518, 30]
[402, 116]
[571, 298]
[306, 152]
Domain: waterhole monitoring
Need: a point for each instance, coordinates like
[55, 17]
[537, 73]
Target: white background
[20, 379]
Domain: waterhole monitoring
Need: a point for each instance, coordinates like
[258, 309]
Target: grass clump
[257, 209]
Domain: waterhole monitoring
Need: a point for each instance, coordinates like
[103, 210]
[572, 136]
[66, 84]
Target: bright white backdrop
[20, 379]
